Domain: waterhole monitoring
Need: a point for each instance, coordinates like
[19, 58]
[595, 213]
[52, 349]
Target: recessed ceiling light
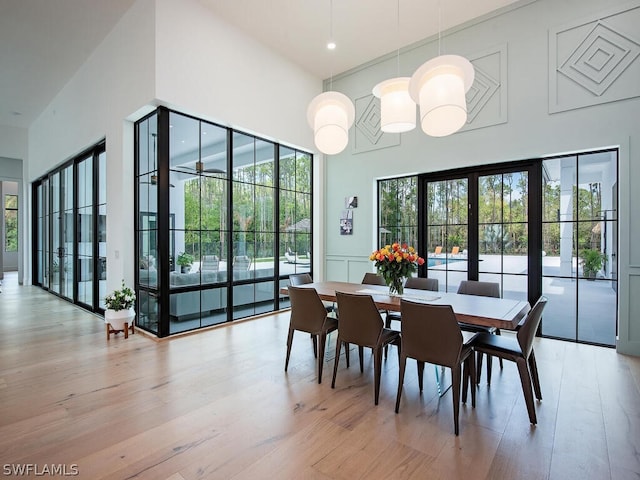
[331, 45]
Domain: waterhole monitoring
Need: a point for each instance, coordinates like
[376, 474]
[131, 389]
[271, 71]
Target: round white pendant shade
[397, 109]
[439, 87]
[331, 114]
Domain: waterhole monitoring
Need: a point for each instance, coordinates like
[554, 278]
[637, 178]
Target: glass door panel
[66, 232]
[55, 219]
[503, 231]
[579, 247]
[447, 232]
[84, 273]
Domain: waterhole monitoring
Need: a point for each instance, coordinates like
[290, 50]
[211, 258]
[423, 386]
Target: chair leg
[377, 371]
[525, 380]
[387, 324]
[335, 363]
[346, 352]
[361, 353]
[472, 375]
[314, 340]
[403, 364]
[489, 365]
[420, 375]
[499, 358]
[455, 386]
[533, 370]
[289, 342]
[479, 367]
[469, 373]
[465, 379]
[322, 342]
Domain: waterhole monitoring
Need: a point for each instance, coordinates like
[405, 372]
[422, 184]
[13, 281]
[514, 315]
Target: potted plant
[592, 263]
[185, 260]
[119, 312]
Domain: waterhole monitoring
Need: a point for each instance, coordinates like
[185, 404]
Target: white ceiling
[44, 42]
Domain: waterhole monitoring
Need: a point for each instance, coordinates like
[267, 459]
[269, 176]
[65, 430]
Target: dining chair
[309, 315]
[520, 351]
[361, 324]
[417, 283]
[372, 279]
[482, 289]
[296, 279]
[430, 333]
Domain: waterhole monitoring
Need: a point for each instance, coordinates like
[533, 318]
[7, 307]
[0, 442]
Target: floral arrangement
[394, 263]
[120, 299]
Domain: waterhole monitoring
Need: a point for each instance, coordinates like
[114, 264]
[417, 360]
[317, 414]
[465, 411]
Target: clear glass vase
[396, 285]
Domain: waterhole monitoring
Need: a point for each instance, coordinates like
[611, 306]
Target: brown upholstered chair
[372, 279]
[418, 283]
[519, 350]
[304, 278]
[361, 324]
[300, 279]
[309, 315]
[482, 289]
[430, 333]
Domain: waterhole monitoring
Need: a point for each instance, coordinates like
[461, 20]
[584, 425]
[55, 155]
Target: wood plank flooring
[219, 405]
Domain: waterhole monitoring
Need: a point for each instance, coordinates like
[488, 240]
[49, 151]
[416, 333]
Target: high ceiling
[44, 42]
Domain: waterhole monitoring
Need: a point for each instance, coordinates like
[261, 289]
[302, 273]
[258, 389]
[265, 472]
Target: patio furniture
[520, 351]
[430, 333]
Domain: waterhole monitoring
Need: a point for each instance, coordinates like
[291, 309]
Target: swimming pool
[434, 262]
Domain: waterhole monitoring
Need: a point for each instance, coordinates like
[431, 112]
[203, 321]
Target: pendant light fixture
[330, 115]
[439, 86]
[397, 108]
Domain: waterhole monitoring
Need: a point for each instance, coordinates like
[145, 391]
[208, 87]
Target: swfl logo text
[38, 470]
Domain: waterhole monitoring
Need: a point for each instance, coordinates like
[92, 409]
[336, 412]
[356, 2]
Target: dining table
[503, 313]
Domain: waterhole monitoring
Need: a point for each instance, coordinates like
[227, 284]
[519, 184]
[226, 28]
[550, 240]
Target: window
[535, 227]
[11, 223]
[69, 235]
[223, 218]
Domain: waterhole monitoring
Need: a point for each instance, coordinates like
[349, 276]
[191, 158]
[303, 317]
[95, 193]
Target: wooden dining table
[502, 313]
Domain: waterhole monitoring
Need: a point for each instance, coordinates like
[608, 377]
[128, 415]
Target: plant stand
[118, 321]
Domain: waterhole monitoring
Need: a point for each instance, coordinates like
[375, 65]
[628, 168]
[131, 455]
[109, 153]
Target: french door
[477, 226]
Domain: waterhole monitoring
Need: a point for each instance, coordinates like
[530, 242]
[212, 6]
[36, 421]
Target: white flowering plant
[121, 299]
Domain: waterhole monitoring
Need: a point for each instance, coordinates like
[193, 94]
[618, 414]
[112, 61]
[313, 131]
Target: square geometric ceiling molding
[595, 61]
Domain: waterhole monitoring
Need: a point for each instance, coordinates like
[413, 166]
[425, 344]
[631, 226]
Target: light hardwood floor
[218, 404]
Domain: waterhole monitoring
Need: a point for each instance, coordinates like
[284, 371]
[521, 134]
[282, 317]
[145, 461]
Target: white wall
[174, 53]
[212, 70]
[520, 127]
